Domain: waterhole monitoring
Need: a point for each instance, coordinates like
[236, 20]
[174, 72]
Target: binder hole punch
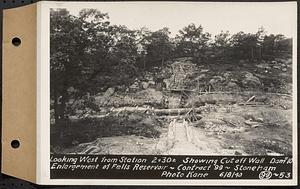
[15, 144]
[16, 41]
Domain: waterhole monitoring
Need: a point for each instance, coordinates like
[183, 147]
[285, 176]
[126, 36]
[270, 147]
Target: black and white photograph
[172, 79]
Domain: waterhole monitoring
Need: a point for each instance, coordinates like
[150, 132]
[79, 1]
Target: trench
[181, 140]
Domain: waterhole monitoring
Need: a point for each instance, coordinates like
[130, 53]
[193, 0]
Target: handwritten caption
[170, 167]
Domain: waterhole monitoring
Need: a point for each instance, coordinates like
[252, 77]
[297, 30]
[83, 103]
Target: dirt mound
[233, 76]
[229, 126]
[182, 70]
[250, 81]
[271, 132]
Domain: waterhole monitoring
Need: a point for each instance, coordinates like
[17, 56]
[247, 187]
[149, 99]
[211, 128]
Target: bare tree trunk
[144, 63]
[64, 93]
[63, 106]
[162, 61]
[56, 109]
[62, 110]
[261, 52]
[163, 56]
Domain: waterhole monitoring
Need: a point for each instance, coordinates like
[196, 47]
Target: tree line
[88, 45]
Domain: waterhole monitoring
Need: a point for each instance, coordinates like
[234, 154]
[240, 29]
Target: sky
[275, 17]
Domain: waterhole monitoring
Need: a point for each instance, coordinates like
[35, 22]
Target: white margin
[43, 65]
[38, 95]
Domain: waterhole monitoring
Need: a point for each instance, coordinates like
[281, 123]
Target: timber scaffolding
[221, 92]
[189, 114]
[172, 113]
[185, 94]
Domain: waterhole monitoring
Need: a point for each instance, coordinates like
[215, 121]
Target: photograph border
[43, 112]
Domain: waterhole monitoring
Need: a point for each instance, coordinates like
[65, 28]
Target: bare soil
[228, 124]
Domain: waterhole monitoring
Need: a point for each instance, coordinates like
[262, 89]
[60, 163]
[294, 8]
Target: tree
[222, 44]
[268, 45]
[87, 53]
[65, 48]
[143, 40]
[260, 35]
[77, 43]
[124, 47]
[192, 41]
[159, 47]
[244, 45]
[276, 43]
[96, 27]
[283, 44]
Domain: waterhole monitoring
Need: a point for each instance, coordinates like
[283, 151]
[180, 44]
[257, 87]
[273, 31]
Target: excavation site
[186, 109]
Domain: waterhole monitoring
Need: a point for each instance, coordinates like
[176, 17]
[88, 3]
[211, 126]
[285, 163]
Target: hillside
[187, 107]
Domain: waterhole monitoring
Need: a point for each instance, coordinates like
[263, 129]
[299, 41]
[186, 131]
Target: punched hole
[16, 41]
[15, 144]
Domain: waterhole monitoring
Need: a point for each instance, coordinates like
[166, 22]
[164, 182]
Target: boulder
[248, 74]
[121, 88]
[263, 66]
[237, 153]
[174, 102]
[227, 74]
[242, 61]
[219, 78]
[151, 95]
[168, 82]
[145, 85]
[250, 80]
[233, 86]
[200, 77]
[148, 76]
[276, 67]
[216, 80]
[288, 61]
[110, 91]
[253, 124]
[134, 87]
[279, 59]
[151, 84]
[213, 121]
[71, 90]
[213, 81]
[204, 70]
[283, 65]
